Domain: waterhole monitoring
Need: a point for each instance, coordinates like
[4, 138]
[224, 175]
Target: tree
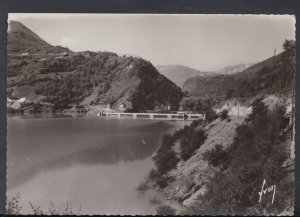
[224, 114]
[259, 109]
[210, 115]
[216, 156]
[165, 159]
[256, 154]
[289, 45]
[191, 141]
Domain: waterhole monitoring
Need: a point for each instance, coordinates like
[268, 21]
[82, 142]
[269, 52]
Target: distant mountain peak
[273, 75]
[180, 73]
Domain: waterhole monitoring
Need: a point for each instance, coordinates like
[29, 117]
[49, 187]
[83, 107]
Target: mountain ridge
[179, 73]
[272, 75]
[22, 40]
[43, 73]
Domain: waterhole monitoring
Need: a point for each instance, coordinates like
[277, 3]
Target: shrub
[163, 181]
[13, 206]
[210, 115]
[216, 156]
[190, 142]
[256, 154]
[165, 160]
[195, 123]
[165, 210]
[224, 114]
[37, 210]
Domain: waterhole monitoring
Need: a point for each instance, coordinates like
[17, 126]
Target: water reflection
[124, 141]
[97, 163]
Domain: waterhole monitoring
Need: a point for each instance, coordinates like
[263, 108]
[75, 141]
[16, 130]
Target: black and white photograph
[150, 114]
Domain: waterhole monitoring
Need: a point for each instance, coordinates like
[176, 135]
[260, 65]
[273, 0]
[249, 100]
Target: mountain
[271, 76]
[22, 40]
[179, 73]
[233, 69]
[43, 73]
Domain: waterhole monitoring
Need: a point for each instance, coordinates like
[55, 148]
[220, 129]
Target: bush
[165, 210]
[163, 181]
[216, 156]
[165, 159]
[190, 142]
[256, 154]
[210, 115]
[13, 206]
[224, 114]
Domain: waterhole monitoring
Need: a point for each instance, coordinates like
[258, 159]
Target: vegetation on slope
[88, 78]
[226, 179]
[166, 158]
[273, 75]
[257, 153]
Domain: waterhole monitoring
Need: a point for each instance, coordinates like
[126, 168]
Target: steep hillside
[22, 40]
[273, 75]
[86, 78]
[179, 73]
[218, 167]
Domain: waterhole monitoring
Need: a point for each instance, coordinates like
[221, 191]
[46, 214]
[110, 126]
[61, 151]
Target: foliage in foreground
[14, 208]
[165, 210]
[257, 154]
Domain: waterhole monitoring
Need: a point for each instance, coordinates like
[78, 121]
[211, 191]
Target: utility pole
[274, 56]
[238, 111]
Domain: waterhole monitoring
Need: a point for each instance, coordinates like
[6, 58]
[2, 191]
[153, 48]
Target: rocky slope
[198, 186]
[193, 174]
[42, 73]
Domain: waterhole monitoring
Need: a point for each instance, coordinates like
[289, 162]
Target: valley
[242, 130]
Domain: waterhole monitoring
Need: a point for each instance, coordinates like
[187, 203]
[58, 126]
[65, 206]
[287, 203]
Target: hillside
[273, 75]
[179, 73]
[217, 168]
[22, 40]
[46, 75]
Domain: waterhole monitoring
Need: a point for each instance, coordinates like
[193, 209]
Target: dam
[168, 116]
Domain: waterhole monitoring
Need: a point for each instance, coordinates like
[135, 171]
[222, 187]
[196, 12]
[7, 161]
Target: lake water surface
[95, 163]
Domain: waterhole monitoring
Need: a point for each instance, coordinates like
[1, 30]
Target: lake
[94, 163]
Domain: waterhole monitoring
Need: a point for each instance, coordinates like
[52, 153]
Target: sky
[203, 42]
